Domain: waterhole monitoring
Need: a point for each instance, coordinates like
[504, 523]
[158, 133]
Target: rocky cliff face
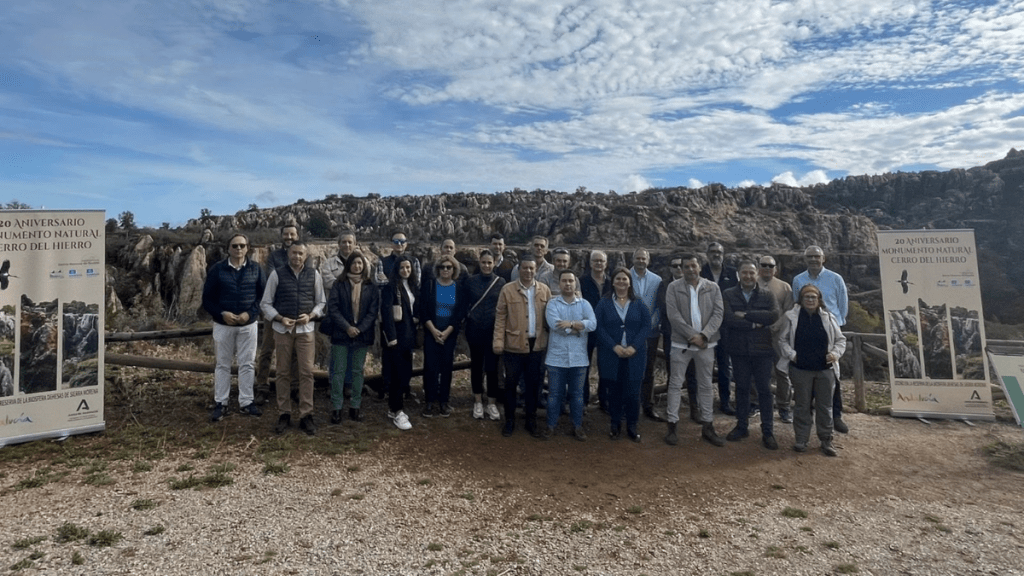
[841, 216]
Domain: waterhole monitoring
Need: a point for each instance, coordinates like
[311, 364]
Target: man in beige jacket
[521, 339]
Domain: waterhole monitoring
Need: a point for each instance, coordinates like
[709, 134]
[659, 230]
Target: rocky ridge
[842, 216]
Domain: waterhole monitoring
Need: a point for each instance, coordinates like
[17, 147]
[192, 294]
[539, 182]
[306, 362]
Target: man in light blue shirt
[645, 286]
[570, 318]
[836, 301]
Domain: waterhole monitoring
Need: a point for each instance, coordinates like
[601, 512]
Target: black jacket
[743, 338]
[339, 307]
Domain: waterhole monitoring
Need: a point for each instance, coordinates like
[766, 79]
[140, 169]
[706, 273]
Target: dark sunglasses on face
[445, 267]
[399, 241]
[238, 245]
[767, 265]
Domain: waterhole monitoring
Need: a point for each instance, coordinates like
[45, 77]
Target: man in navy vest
[294, 298]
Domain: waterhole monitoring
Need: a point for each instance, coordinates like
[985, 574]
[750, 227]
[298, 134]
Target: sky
[164, 108]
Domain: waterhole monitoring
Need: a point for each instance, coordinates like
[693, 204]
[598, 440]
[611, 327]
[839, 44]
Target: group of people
[524, 317]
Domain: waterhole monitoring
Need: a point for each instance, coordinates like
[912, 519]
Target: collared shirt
[567, 348]
[267, 304]
[646, 289]
[331, 270]
[531, 292]
[833, 291]
[696, 320]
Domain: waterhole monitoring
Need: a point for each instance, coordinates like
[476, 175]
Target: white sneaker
[478, 411]
[492, 412]
[402, 421]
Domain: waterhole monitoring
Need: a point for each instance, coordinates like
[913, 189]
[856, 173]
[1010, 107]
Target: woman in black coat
[480, 293]
[352, 307]
[440, 311]
[399, 335]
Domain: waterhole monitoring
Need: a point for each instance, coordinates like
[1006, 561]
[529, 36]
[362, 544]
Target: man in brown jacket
[521, 338]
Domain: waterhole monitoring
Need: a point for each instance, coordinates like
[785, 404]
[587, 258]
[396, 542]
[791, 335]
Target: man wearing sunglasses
[386, 264]
[783, 293]
[231, 294]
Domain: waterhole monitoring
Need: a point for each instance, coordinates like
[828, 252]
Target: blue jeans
[560, 379]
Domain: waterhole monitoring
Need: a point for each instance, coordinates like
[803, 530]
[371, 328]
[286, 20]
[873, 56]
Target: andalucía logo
[83, 405]
[918, 398]
[19, 420]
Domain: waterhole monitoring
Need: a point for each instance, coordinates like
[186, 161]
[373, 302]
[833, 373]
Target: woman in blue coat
[399, 335]
[353, 307]
[622, 326]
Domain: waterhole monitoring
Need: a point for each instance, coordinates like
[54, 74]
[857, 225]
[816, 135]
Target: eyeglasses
[399, 241]
[238, 245]
[445, 267]
[767, 265]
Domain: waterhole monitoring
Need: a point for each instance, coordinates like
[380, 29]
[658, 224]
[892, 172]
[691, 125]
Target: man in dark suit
[724, 275]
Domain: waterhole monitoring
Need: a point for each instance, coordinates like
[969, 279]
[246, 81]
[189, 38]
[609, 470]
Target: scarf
[357, 292]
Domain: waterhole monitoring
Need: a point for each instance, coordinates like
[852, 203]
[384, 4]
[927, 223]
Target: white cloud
[809, 179]
[694, 183]
[637, 183]
[746, 184]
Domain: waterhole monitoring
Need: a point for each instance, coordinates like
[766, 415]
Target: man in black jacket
[724, 275]
[749, 315]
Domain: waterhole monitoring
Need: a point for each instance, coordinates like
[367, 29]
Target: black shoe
[786, 416]
[634, 436]
[354, 415]
[261, 398]
[283, 422]
[546, 433]
[251, 410]
[531, 427]
[336, 417]
[671, 438]
[727, 410]
[615, 433]
[445, 411]
[827, 449]
[218, 412]
[800, 447]
[652, 415]
[708, 433]
[307, 425]
[579, 434]
[735, 435]
[508, 428]
[839, 426]
[770, 442]
[428, 410]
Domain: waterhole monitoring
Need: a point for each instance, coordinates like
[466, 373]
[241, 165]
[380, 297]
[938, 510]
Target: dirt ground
[902, 497]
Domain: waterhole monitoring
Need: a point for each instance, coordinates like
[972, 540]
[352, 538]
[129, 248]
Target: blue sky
[165, 108]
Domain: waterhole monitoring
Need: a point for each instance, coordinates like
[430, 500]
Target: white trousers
[704, 363]
[234, 342]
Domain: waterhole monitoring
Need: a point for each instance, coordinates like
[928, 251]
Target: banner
[931, 298]
[1009, 366]
[51, 323]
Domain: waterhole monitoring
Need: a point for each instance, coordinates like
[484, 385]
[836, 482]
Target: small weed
[467, 496]
[704, 533]
[774, 552]
[104, 538]
[579, 568]
[141, 466]
[580, 526]
[26, 563]
[742, 573]
[184, 483]
[355, 497]
[435, 547]
[155, 530]
[789, 512]
[27, 542]
[537, 518]
[1010, 456]
[847, 569]
[68, 532]
[831, 544]
[803, 549]
[267, 556]
[144, 504]
[425, 482]
[99, 479]
[619, 528]
[806, 529]
[336, 492]
[37, 555]
[635, 509]
[201, 454]
[669, 532]
[933, 519]
[95, 468]
[354, 468]
[778, 487]
[275, 467]
[430, 564]
[77, 559]
[943, 528]
[185, 468]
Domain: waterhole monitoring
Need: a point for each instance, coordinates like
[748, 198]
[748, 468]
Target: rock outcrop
[841, 216]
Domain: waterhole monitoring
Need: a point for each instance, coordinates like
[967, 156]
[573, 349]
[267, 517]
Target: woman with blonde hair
[440, 312]
[811, 343]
